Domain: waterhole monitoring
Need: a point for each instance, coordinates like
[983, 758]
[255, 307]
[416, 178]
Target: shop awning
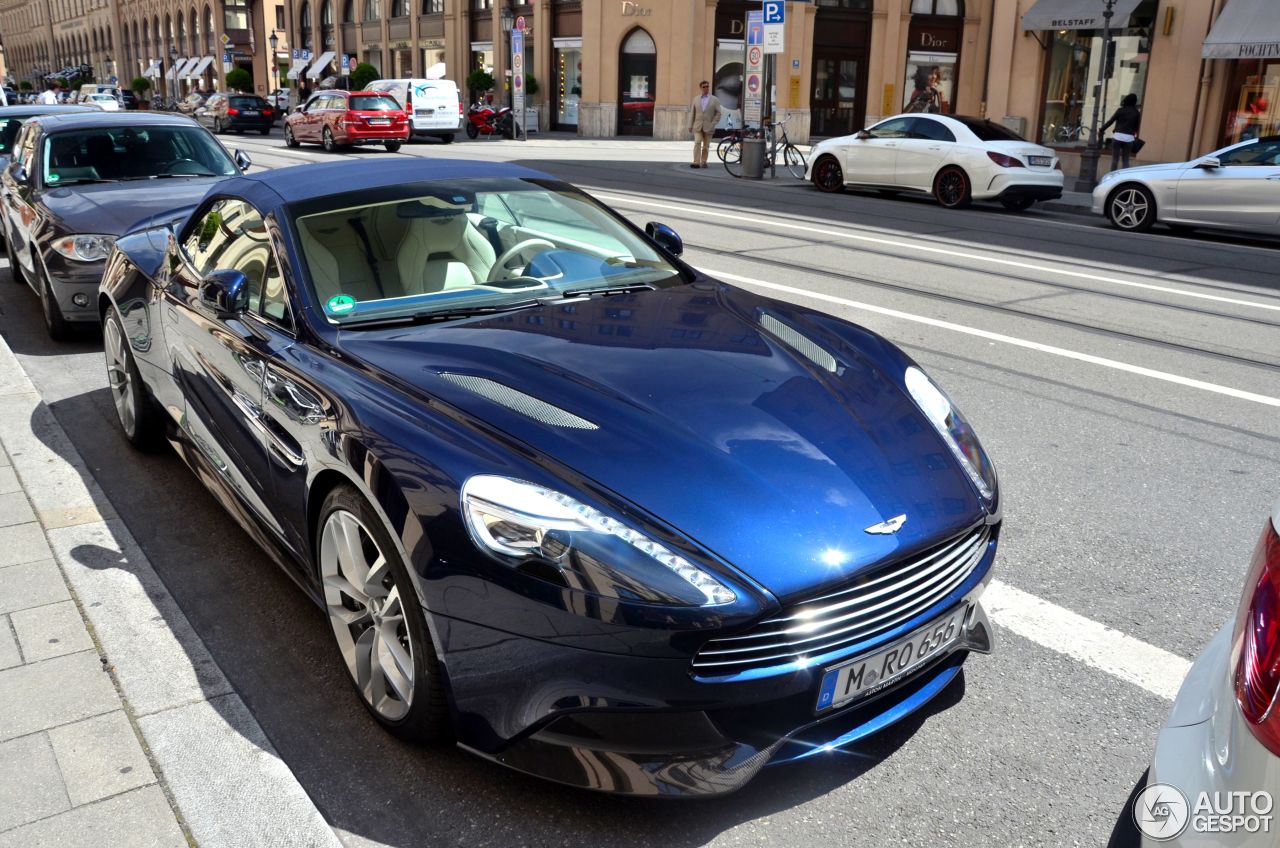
[153, 70]
[320, 64]
[296, 69]
[172, 73]
[205, 61]
[1077, 14]
[1246, 29]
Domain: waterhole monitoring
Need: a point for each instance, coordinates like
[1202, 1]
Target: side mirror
[1209, 163]
[863, 135]
[19, 174]
[665, 237]
[225, 291]
[243, 162]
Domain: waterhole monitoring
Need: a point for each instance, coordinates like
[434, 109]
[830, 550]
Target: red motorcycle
[483, 119]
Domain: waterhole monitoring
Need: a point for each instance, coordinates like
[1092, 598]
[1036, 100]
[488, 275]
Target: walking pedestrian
[49, 96]
[1128, 119]
[706, 114]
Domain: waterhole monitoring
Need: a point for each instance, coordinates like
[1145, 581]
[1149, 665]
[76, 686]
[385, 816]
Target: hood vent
[800, 343]
[517, 401]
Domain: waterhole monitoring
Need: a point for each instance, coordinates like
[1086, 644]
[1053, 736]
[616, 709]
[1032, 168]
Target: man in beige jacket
[706, 114]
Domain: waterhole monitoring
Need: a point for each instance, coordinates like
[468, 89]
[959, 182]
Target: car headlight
[85, 248]
[1108, 177]
[955, 430]
[553, 535]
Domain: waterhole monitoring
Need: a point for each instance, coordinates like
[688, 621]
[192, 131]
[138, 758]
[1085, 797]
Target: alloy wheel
[367, 613]
[827, 175]
[289, 140]
[1130, 208]
[327, 140]
[118, 377]
[952, 188]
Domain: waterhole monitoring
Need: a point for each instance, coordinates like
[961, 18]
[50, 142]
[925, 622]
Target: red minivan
[339, 119]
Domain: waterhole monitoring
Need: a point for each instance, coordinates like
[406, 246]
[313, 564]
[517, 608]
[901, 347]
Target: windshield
[248, 103]
[133, 153]
[371, 103]
[470, 245]
[8, 132]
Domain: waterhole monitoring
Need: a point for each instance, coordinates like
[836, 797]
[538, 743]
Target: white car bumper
[1205, 747]
[1042, 185]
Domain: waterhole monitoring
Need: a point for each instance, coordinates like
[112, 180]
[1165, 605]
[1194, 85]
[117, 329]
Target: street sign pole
[773, 17]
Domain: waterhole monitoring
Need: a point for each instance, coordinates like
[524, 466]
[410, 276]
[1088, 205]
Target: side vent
[517, 401]
[800, 343]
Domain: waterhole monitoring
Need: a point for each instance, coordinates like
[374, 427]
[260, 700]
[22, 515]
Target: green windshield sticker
[340, 303]
[53, 178]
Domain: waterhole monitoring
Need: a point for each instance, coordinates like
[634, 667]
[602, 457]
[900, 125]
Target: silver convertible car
[1235, 188]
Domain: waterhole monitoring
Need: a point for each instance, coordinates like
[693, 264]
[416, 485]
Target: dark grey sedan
[76, 182]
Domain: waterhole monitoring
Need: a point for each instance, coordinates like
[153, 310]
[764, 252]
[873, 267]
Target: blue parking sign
[774, 11]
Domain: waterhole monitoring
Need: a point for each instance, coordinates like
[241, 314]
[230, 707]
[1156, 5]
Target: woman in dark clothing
[1127, 120]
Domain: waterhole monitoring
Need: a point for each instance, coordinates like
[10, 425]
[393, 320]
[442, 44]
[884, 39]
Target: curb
[224, 780]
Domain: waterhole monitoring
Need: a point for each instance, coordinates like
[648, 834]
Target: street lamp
[1088, 178]
[274, 41]
[508, 18]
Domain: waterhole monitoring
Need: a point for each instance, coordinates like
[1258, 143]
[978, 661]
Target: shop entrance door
[838, 83]
[637, 84]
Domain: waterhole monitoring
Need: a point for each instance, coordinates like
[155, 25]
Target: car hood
[113, 208]
[711, 424]
[1148, 170]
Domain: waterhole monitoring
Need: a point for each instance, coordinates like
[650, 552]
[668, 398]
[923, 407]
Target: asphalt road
[1108, 376]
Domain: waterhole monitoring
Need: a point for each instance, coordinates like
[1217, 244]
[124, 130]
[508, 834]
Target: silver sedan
[1235, 188]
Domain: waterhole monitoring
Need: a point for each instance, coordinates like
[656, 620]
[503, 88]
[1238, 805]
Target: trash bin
[753, 158]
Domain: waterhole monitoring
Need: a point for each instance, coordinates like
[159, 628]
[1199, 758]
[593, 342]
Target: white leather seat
[443, 252]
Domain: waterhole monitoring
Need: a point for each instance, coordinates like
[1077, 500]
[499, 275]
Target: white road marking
[1089, 358]
[1082, 639]
[919, 247]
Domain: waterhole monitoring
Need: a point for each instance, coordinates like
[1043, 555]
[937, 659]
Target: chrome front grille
[876, 603]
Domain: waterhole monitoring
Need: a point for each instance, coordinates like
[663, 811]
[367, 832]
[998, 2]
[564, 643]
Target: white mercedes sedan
[954, 158]
[1235, 188]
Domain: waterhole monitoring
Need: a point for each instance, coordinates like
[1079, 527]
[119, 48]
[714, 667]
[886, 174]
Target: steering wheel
[500, 270]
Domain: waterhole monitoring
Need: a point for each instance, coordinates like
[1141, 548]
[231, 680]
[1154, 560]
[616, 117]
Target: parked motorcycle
[483, 119]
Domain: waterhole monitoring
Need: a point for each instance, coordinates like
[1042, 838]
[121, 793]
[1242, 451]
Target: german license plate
[425, 112]
[1040, 160]
[249, 113]
[379, 121]
[869, 674]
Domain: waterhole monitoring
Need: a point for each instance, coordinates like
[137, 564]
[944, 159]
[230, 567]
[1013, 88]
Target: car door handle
[277, 448]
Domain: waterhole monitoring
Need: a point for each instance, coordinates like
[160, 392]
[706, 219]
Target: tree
[239, 79]
[530, 85]
[478, 82]
[363, 75]
[141, 85]
[24, 86]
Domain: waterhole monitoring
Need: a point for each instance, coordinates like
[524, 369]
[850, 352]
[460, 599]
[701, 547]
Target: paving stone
[30, 783]
[138, 819]
[8, 478]
[9, 655]
[59, 691]
[51, 631]
[15, 509]
[100, 757]
[32, 584]
[22, 543]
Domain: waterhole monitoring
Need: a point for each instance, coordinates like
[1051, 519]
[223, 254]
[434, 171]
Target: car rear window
[988, 130]
[373, 103]
[248, 102]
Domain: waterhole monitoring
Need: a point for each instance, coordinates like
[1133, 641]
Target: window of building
[279, 17]
[372, 12]
[432, 7]
[935, 7]
[235, 14]
[1074, 61]
[399, 8]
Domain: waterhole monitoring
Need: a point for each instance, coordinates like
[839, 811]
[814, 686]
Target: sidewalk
[117, 727]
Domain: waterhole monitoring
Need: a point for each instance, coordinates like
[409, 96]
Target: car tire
[392, 146]
[446, 139]
[1131, 207]
[368, 594]
[217, 126]
[827, 175]
[59, 328]
[136, 413]
[289, 140]
[473, 132]
[326, 139]
[951, 188]
[1017, 204]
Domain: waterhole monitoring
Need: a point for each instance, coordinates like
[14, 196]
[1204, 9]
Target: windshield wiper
[624, 288]
[432, 317]
[75, 180]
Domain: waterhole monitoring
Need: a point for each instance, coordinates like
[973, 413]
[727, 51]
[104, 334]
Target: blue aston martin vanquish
[618, 524]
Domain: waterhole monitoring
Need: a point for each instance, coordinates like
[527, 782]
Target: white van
[434, 106]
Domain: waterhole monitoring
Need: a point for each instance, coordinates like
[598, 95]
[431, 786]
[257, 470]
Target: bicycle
[792, 158]
[1067, 133]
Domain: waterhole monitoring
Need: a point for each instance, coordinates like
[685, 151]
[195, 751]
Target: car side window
[275, 301]
[930, 130]
[1262, 153]
[892, 128]
[23, 146]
